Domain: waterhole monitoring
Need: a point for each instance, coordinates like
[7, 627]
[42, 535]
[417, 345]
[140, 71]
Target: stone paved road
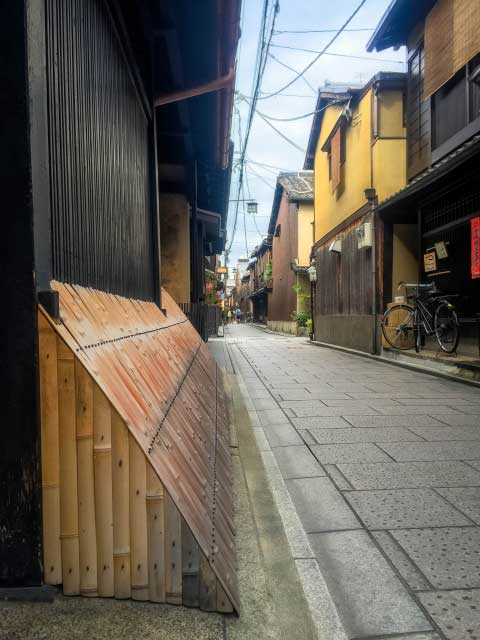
[383, 467]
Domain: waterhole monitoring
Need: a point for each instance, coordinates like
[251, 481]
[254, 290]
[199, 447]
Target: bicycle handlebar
[418, 285]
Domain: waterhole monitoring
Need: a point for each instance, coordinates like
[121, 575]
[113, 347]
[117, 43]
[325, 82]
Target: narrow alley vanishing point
[383, 467]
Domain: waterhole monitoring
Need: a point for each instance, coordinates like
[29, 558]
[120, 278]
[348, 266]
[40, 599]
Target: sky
[266, 146]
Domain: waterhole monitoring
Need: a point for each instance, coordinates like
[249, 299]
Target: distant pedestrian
[229, 316]
[238, 314]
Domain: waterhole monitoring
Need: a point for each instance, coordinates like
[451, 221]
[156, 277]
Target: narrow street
[382, 465]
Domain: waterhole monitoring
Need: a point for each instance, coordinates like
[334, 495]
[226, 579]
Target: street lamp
[312, 274]
[252, 207]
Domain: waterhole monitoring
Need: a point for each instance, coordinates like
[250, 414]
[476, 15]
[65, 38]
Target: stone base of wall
[283, 326]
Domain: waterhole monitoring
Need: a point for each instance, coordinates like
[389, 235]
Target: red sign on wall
[475, 236]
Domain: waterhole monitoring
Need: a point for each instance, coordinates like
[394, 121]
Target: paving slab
[281, 435]
[321, 422]
[369, 597]
[404, 508]
[455, 612]
[358, 452]
[410, 474]
[392, 421]
[424, 451]
[323, 410]
[466, 499]
[402, 563]
[264, 403]
[449, 557]
[272, 416]
[320, 505]
[403, 411]
[306, 436]
[366, 434]
[447, 433]
[262, 442]
[297, 462]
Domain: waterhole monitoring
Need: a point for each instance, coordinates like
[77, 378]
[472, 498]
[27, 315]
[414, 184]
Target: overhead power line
[283, 64]
[337, 55]
[282, 135]
[278, 32]
[327, 46]
[262, 52]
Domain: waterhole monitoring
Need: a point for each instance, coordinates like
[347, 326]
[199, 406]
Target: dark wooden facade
[80, 161]
[443, 161]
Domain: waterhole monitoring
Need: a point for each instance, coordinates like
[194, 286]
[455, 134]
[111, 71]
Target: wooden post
[138, 521]
[102, 455]
[156, 536]
[190, 567]
[86, 490]
[68, 470]
[50, 453]
[121, 508]
[173, 552]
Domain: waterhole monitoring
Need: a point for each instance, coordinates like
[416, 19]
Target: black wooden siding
[418, 116]
[343, 281]
[102, 232]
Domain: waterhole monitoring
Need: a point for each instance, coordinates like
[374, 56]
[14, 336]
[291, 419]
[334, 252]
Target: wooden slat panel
[102, 422]
[52, 555]
[162, 382]
[156, 536]
[208, 586]
[86, 489]
[190, 567]
[173, 552]
[138, 522]
[121, 508]
[68, 470]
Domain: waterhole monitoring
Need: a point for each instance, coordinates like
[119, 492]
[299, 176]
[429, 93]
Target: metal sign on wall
[430, 261]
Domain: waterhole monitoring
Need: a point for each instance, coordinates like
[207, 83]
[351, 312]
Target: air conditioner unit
[365, 235]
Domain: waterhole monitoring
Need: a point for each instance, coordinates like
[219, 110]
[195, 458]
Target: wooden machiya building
[115, 159]
[441, 202]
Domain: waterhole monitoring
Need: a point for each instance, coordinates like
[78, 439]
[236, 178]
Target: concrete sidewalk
[383, 467]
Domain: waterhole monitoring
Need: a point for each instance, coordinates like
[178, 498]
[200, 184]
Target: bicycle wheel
[398, 327]
[446, 327]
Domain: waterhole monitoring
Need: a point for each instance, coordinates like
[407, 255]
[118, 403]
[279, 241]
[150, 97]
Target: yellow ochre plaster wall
[379, 163]
[305, 232]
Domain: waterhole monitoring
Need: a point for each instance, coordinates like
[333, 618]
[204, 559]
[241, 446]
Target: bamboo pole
[50, 452]
[173, 552]
[190, 567]
[68, 470]
[138, 521]
[121, 508]
[86, 489]
[223, 601]
[102, 456]
[208, 586]
[156, 536]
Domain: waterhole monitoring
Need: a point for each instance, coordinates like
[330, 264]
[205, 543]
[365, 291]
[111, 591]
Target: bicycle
[427, 312]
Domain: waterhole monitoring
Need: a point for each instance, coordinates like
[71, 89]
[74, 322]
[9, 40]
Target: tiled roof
[298, 186]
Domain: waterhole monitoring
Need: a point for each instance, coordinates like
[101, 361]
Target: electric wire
[327, 46]
[338, 55]
[262, 49]
[282, 31]
[283, 64]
